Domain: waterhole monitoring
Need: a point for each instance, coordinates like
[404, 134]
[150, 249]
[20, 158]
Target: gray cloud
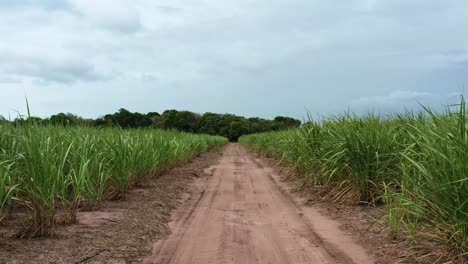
[64, 72]
[50, 71]
[113, 15]
[168, 9]
[9, 80]
[400, 100]
[261, 57]
[41, 4]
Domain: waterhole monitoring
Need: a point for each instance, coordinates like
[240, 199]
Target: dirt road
[243, 214]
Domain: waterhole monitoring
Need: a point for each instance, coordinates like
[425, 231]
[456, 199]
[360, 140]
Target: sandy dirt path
[242, 214]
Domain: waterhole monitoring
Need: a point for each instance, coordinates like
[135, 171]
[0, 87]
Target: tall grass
[355, 154]
[46, 169]
[434, 188]
[416, 164]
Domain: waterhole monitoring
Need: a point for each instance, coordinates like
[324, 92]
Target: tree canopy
[227, 125]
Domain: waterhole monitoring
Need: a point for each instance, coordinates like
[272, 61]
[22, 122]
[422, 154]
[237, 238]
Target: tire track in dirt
[242, 215]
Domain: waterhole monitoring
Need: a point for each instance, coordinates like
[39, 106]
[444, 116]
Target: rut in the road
[242, 216]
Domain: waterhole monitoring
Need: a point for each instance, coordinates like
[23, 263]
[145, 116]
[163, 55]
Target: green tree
[125, 119]
[179, 120]
[238, 129]
[63, 119]
[287, 122]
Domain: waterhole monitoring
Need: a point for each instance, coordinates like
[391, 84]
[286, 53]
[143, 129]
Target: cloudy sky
[249, 57]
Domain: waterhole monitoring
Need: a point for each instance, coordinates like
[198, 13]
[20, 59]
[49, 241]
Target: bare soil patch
[240, 214]
[118, 232]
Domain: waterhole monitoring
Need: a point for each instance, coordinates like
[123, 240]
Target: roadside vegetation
[52, 170]
[414, 164]
[225, 125]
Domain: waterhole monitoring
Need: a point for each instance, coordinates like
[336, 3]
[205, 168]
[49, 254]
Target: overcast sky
[248, 57]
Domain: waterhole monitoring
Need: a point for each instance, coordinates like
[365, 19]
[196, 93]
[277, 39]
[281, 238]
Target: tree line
[227, 125]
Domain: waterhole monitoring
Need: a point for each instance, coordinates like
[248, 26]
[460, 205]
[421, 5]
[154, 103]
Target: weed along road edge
[241, 214]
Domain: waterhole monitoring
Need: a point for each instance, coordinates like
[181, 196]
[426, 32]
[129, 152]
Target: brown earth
[118, 232]
[242, 215]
